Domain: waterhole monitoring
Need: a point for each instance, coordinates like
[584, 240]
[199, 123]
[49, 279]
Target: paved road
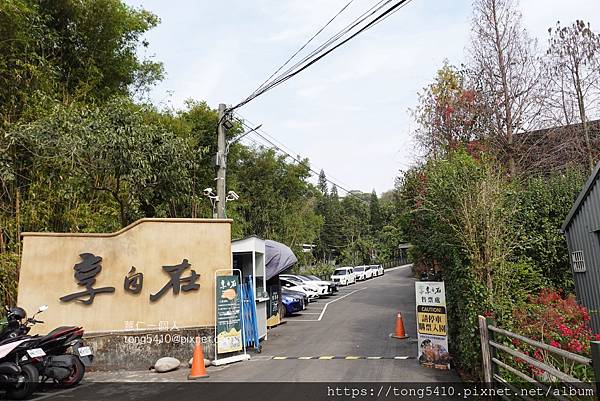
[356, 322]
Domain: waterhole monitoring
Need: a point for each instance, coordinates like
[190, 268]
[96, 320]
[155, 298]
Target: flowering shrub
[560, 322]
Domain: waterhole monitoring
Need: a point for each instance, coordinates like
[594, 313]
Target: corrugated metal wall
[583, 235]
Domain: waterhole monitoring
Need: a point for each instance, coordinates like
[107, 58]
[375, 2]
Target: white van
[343, 276]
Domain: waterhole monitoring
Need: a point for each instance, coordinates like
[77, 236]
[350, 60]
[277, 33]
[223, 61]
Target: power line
[304, 45]
[335, 37]
[290, 150]
[311, 54]
[302, 162]
[291, 73]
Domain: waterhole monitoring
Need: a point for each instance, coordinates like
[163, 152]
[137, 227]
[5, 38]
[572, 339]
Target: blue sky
[349, 113]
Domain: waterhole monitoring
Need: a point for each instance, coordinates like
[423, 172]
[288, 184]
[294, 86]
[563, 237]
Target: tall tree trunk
[505, 94]
[18, 221]
[583, 117]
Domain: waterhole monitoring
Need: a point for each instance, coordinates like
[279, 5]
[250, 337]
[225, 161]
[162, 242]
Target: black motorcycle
[63, 355]
[19, 376]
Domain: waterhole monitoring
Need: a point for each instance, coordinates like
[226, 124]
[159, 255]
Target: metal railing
[498, 358]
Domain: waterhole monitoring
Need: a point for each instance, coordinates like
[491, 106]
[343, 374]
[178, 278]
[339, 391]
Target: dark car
[292, 304]
[296, 294]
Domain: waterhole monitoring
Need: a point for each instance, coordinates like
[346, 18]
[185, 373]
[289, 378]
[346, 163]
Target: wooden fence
[498, 365]
[400, 261]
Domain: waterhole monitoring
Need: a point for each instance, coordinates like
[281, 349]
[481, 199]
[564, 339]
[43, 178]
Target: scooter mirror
[43, 308]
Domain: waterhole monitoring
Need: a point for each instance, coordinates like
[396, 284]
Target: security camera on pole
[221, 163]
[220, 199]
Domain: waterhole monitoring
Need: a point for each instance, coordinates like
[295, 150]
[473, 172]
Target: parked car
[322, 289]
[344, 276]
[292, 304]
[368, 272]
[359, 272]
[298, 294]
[333, 287]
[377, 270]
[296, 285]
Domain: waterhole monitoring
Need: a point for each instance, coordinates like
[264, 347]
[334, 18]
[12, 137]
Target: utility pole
[221, 165]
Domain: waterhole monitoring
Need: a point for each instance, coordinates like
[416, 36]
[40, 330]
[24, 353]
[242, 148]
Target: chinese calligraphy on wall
[90, 267]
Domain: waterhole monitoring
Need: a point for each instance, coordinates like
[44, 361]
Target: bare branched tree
[574, 71]
[505, 62]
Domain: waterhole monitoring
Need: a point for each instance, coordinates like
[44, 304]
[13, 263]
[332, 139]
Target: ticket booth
[249, 256]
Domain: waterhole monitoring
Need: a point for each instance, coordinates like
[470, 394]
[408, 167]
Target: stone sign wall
[153, 275]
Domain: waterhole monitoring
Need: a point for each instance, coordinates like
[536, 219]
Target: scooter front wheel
[22, 390]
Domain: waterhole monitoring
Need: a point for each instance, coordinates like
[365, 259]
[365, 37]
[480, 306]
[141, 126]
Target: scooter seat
[59, 331]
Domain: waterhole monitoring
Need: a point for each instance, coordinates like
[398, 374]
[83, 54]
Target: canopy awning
[278, 258]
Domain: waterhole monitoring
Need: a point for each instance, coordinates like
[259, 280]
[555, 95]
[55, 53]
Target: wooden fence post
[595, 345]
[485, 350]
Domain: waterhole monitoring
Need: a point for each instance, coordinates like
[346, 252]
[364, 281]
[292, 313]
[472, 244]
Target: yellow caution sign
[432, 320]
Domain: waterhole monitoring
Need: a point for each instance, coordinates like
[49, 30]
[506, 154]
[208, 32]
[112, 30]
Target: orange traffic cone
[198, 370]
[400, 333]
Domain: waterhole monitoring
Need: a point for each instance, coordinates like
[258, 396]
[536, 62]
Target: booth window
[261, 291]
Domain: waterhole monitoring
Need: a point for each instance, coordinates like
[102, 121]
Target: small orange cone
[198, 370]
[400, 333]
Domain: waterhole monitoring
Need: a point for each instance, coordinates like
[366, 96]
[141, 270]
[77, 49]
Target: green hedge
[495, 240]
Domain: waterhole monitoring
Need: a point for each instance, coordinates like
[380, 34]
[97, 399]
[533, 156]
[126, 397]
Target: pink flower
[575, 346]
[555, 344]
[488, 314]
[564, 330]
[597, 337]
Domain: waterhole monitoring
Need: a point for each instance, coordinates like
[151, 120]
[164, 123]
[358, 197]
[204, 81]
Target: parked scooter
[65, 355]
[18, 375]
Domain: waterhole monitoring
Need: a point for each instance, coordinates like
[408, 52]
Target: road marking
[337, 357]
[337, 299]
[324, 308]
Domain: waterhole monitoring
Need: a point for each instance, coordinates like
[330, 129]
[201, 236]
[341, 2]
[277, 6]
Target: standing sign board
[273, 306]
[432, 324]
[229, 316]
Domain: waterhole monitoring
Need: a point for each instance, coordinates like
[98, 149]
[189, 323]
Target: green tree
[276, 200]
[375, 214]
[322, 185]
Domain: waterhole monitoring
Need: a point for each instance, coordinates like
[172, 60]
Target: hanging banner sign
[229, 316]
[432, 324]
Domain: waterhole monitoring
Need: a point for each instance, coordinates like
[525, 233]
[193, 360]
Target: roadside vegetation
[499, 173]
[82, 149]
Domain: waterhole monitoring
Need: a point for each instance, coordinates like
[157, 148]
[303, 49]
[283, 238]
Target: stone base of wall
[139, 350]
